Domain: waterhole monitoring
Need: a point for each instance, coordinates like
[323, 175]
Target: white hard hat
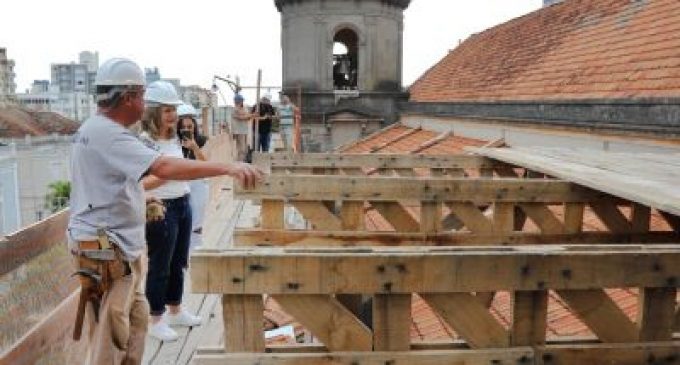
[119, 72]
[186, 110]
[162, 92]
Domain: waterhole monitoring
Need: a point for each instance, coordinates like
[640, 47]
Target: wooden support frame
[599, 312]
[278, 237]
[568, 354]
[433, 270]
[328, 320]
[470, 319]
[529, 315]
[432, 357]
[377, 160]
[483, 191]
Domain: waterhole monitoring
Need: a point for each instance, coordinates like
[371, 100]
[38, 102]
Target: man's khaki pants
[118, 337]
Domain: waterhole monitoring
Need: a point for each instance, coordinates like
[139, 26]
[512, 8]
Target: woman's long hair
[151, 122]
[197, 136]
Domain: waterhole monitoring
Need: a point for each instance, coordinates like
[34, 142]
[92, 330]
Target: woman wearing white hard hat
[167, 239]
[192, 142]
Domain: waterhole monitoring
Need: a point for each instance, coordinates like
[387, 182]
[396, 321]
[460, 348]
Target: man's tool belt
[99, 265]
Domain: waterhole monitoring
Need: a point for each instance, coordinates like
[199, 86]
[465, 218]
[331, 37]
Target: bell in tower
[344, 58]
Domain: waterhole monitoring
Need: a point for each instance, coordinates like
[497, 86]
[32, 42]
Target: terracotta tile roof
[17, 122]
[578, 49]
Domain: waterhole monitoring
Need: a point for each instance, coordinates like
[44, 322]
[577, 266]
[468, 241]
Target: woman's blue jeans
[168, 249]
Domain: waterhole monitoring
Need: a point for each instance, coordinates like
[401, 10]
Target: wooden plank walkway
[647, 178]
[219, 226]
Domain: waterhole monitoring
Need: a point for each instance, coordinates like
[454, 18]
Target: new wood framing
[305, 283]
[320, 238]
[320, 188]
[619, 354]
[434, 270]
[384, 161]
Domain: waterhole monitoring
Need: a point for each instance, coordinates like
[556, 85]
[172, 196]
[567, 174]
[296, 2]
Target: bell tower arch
[346, 55]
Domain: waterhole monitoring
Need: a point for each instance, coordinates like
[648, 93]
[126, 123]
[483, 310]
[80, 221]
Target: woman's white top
[170, 189]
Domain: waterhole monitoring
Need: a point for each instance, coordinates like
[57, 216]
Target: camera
[185, 134]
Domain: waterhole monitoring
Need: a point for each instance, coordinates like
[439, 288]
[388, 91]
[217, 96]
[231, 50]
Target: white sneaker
[183, 318]
[163, 332]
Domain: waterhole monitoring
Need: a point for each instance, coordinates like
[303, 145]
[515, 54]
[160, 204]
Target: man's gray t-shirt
[107, 164]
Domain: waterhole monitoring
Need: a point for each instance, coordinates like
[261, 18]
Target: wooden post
[272, 212]
[656, 314]
[392, 322]
[243, 317]
[529, 314]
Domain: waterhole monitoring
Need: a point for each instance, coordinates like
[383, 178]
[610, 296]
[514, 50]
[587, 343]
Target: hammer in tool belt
[96, 267]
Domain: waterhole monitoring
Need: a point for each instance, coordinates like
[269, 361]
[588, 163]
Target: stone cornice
[403, 4]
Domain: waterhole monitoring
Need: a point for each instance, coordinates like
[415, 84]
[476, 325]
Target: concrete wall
[40, 161]
[308, 28]
[660, 116]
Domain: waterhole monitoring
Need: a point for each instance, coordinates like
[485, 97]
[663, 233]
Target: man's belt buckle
[100, 255]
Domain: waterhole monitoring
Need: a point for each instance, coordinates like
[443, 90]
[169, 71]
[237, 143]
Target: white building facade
[7, 76]
[76, 105]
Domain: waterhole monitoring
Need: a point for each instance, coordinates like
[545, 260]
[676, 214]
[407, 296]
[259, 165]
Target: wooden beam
[243, 323]
[430, 217]
[471, 217]
[618, 354]
[469, 318]
[543, 217]
[269, 237]
[373, 160]
[599, 312]
[272, 212]
[483, 191]
[656, 313]
[352, 216]
[19, 247]
[392, 322]
[611, 216]
[397, 216]
[436, 270]
[529, 316]
[318, 215]
[513, 356]
[405, 172]
[503, 217]
[50, 335]
[640, 217]
[573, 217]
[329, 321]
[673, 220]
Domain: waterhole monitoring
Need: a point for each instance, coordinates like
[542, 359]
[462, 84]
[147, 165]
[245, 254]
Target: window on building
[345, 59]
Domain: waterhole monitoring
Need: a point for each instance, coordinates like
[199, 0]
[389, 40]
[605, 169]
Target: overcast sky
[194, 40]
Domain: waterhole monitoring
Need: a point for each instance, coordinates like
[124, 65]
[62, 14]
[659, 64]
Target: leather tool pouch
[97, 270]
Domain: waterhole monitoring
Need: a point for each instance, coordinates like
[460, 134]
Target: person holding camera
[192, 143]
[168, 239]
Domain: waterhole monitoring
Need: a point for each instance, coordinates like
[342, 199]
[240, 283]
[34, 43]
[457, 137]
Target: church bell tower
[345, 58]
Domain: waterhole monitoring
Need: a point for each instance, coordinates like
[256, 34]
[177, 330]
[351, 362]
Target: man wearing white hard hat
[106, 227]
